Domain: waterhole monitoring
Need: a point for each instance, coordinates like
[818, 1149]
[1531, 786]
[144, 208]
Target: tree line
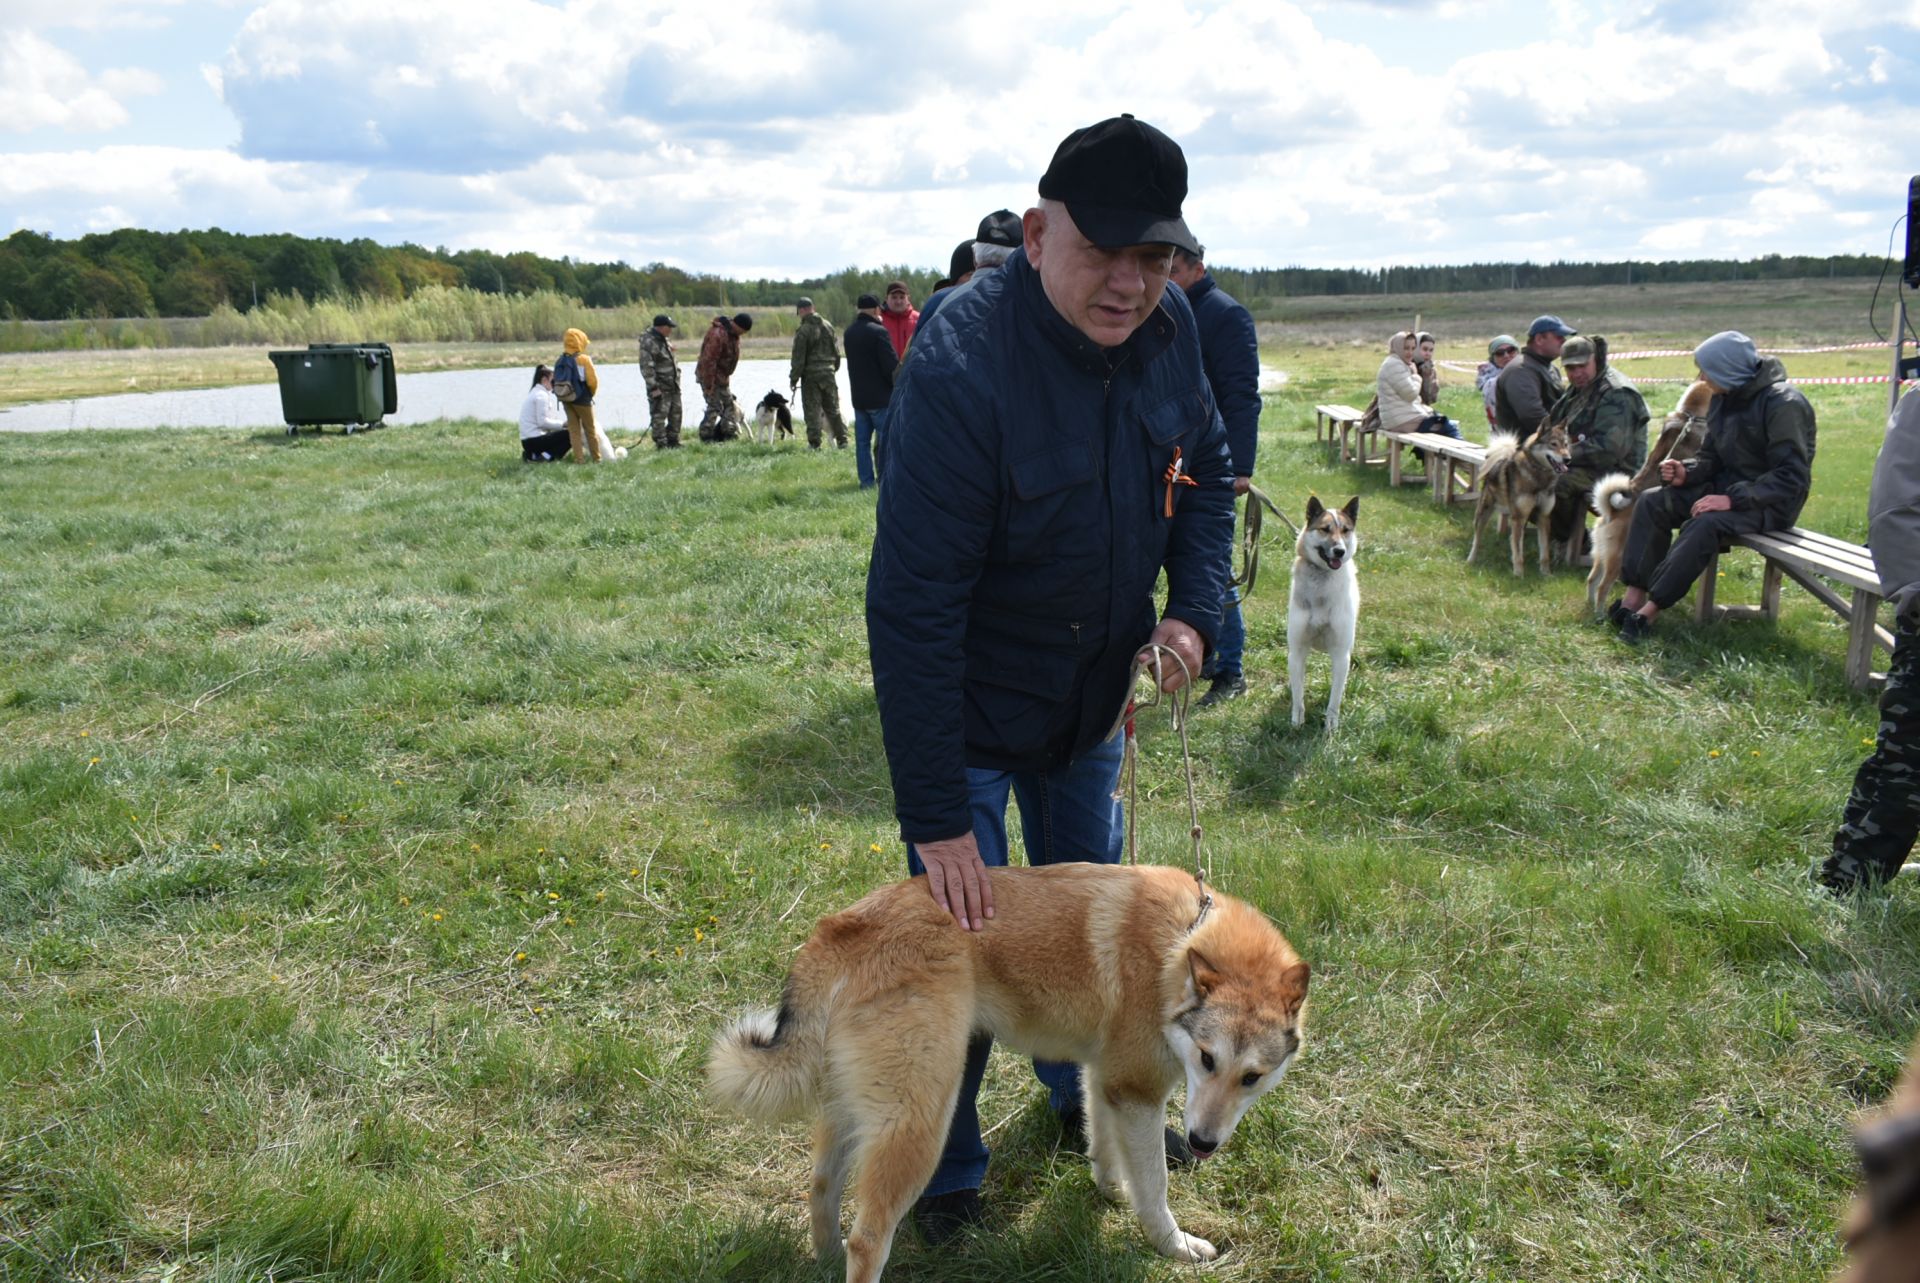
[136, 273]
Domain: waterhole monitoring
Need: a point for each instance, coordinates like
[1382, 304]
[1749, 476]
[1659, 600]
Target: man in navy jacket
[1230, 351]
[1053, 445]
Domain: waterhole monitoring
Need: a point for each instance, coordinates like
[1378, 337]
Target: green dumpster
[346, 383]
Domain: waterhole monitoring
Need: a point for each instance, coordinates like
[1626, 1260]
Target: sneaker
[1636, 629]
[942, 1218]
[1618, 612]
[1223, 689]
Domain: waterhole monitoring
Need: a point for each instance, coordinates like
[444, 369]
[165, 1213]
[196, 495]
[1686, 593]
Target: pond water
[450, 394]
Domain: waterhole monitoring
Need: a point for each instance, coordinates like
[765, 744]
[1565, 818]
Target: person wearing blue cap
[1528, 387]
[1052, 447]
[1752, 473]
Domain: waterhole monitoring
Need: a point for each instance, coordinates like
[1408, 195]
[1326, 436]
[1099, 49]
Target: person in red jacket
[719, 354]
[900, 317]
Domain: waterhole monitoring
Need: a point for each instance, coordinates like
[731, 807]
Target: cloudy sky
[786, 137]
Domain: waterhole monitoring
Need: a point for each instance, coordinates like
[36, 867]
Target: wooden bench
[1807, 557]
[1449, 460]
[1335, 425]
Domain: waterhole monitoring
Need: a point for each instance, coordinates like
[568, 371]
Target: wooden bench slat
[1848, 571]
[1842, 546]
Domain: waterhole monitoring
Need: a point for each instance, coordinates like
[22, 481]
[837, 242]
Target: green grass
[385, 826]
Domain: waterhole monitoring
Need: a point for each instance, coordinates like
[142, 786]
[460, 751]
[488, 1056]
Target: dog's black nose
[1201, 1144]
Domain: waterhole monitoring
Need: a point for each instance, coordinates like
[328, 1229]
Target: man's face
[1580, 375]
[1106, 294]
[1187, 272]
[897, 301]
[1549, 344]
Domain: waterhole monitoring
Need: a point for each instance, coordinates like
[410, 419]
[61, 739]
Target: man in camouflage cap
[1606, 418]
[662, 374]
[816, 359]
[719, 356]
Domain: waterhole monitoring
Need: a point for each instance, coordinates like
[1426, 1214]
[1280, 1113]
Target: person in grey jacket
[1882, 815]
[1527, 388]
[1752, 474]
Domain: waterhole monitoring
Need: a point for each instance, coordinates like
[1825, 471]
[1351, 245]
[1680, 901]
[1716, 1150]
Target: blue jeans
[1442, 425]
[867, 424]
[1066, 814]
[1231, 645]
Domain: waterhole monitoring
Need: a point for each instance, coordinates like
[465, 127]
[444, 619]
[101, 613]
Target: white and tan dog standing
[1115, 967]
[1323, 605]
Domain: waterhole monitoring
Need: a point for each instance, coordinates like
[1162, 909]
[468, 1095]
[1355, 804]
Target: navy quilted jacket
[1230, 351]
[1022, 528]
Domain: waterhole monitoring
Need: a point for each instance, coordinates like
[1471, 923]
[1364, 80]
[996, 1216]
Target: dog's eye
[1249, 1078]
[1206, 1061]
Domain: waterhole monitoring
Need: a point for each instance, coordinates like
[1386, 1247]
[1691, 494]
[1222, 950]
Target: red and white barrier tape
[1830, 381]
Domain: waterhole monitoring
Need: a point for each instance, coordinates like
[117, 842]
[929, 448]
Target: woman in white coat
[1397, 388]
[543, 424]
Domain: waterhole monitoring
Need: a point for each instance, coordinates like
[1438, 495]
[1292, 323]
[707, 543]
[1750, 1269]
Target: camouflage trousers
[1882, 818]
[721, 422]
[820, 396]
[663, 408]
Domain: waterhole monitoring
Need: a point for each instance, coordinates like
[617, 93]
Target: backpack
[567, 383]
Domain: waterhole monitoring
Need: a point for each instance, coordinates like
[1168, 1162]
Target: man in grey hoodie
[1877, 829]
[1752, 474]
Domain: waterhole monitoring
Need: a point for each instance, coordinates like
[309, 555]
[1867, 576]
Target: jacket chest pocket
[1172, 427]
[1052, 510]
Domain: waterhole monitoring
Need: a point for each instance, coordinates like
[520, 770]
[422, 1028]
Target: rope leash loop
[1150, 659]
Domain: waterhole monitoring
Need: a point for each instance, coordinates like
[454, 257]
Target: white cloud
[771, 138]
[42, 86]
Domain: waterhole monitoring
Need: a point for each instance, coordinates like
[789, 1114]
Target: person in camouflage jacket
[719, 355]
[1882, 816]
[816, 359]
[1606, 418]
[661, 371]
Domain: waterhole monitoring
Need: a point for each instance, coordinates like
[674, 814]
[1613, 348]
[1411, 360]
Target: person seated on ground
[1397, 393]
[543, 424]
[1500, 353]
[1606, 417]
[1752, 474]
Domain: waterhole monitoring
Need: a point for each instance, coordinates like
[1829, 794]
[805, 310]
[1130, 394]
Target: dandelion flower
[85, 734]
[93, 761]
[521, 956]
[874, 847]
[540, 850]
[1867, 740]
[679, 951]
[1713, 752]
[538, 1010]
[473, 846]
[436, 917]
[216, 846]
[633, 873]
[552, 896]
[698, 935]
[713, 920]
[274, 976]
[1755, 753]
[405, 901]
[826, 846]
[569, 921]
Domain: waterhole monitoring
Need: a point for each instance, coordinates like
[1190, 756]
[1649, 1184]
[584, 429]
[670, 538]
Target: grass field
[385, 826]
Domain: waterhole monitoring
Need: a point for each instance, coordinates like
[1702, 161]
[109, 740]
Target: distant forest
[134, 273]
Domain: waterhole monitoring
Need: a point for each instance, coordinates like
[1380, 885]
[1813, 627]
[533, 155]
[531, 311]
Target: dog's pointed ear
[1352, 510]
[1296, 977]
[1202, 975]
[1314, 508]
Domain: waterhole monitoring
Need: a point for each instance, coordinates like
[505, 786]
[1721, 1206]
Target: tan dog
[1883, 1230]
[1517, 480]
[1323, 605]
[1616, 495]
[1114, 967]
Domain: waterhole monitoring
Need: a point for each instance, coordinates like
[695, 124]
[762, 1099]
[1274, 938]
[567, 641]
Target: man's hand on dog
[957, 879]
[1183, 641]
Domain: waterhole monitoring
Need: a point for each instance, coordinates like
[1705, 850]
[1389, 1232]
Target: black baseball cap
[1123, 182]
[664, 319]
[742, 320]
[1001, 227]
[962, 260]
[866, 301]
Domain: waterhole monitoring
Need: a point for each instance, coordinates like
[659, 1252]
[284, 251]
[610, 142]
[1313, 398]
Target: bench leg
[1770, 590]
[1393, 462]
[1860, 637]
[1703, 590]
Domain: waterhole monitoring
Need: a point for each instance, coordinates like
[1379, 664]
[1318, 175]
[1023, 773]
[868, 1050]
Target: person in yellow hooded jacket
[580, 430]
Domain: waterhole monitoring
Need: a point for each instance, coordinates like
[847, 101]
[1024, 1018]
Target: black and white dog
[772, 417]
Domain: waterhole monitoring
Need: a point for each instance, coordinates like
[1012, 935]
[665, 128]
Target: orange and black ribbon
[1176, 476]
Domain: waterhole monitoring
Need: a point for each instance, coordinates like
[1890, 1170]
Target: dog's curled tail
[1613, 493]
[766, 1064]
[1501, 447]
